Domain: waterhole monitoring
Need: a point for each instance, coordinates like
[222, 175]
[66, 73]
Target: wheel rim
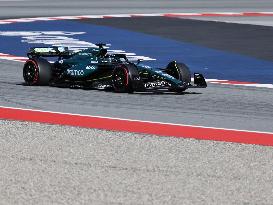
[31, 72]
[120, 78]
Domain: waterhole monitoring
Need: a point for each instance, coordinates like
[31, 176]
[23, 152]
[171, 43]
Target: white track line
[132, 120]
[204, 14]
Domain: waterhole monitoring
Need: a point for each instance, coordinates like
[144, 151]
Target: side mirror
[139, 61]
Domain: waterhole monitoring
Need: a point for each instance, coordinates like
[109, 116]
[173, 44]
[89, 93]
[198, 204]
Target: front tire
[181, 72]
[37, 72]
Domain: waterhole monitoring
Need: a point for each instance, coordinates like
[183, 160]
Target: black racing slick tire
[122, 80]
[181, 72]
[37, 71]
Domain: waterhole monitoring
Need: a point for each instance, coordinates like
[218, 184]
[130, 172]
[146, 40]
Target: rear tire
[37, 72]
[181, 72]
[122, 81]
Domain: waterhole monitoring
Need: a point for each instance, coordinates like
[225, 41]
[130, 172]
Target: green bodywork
[89, 65]
[96, 66]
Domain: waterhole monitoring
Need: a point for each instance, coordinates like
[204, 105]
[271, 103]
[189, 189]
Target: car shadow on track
[167, 93]
[112, 91]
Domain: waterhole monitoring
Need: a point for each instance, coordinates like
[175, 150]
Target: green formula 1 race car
[94, 68]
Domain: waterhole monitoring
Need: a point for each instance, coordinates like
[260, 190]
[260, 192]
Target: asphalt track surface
[224, 106]
[250, 40]
[29, 8]
[262, 21]
[46, 164]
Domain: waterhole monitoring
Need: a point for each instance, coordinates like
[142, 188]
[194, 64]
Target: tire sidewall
[36, 77]
[43, 73]
[184, 72]
[127, 86]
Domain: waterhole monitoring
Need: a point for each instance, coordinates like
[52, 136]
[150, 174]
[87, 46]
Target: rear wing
[48, 52]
